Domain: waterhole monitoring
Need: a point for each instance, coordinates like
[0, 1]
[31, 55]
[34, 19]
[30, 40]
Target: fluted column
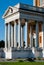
[19, 33]
[6, 35]
[15, 42]
[31, 36]
[37, 34]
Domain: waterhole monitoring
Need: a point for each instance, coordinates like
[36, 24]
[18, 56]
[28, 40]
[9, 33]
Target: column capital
[16, 21]
[23, 19]
[42, 22]
[22, 22]
[26, 20]
[6, 23]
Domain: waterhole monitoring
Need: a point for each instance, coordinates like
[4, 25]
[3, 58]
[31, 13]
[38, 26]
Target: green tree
[2, 44]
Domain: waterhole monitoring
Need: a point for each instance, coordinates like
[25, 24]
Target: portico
[24, 29]
[16, 30]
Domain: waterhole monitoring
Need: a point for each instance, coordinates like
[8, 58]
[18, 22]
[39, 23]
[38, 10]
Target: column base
[8, 54]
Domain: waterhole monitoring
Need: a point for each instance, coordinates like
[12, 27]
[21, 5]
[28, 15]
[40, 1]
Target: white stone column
[19, 33]
[11, 35]
[26, 33]
[22, 36]
[37, 34]
[15, 42]
[6, 35]
[31, 36]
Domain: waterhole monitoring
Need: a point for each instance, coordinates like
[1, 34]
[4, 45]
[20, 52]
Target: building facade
[24, 31]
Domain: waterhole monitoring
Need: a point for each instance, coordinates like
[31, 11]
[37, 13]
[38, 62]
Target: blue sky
[3, 6]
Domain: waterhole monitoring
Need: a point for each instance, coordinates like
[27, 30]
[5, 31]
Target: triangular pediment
[8, 12]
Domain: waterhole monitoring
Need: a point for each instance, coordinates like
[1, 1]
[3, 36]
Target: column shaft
[11, 35]
[15, 42]
[19, 33]
[8, 35]
[37, 34]
[43, 39]
[5, 36]
[26, 34]
[31, 36]
[34, 4]
[43, 35]
[22, 36]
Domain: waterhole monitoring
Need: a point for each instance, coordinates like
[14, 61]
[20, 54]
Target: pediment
[8, 12]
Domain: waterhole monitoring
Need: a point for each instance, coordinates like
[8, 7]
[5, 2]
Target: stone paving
[17, 60]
